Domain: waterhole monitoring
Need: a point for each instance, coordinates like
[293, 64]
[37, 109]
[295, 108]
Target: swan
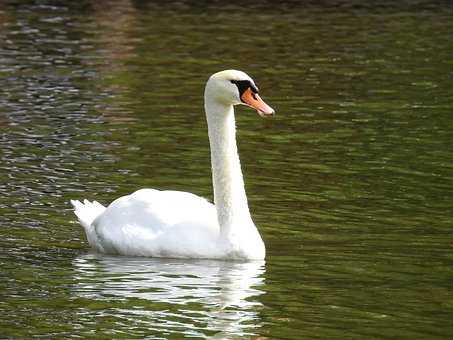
[177, 224]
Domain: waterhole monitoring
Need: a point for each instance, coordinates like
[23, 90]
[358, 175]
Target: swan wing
[157, 223]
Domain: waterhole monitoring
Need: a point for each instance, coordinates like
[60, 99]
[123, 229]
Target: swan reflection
[198, 297]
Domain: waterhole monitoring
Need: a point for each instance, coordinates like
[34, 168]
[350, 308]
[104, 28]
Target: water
[350, 184]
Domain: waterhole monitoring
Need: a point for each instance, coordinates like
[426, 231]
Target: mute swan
[179, 224]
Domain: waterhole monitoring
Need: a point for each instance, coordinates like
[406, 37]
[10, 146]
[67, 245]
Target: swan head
[232, 87]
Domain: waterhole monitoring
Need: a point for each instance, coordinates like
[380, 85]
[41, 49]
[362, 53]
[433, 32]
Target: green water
[351, 184]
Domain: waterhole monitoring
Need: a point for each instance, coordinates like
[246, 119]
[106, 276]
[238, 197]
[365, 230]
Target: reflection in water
[191, 296]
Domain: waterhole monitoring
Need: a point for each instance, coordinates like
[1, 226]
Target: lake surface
[351, 184]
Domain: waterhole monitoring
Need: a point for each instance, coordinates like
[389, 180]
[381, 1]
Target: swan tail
[87, 212]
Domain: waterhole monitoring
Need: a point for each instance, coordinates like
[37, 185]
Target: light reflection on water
[214, 297]
[350, 184]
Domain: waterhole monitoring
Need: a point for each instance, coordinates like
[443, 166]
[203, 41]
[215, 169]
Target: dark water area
[350, 185]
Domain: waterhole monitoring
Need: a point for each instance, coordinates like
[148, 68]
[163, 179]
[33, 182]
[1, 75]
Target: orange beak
[254, 100]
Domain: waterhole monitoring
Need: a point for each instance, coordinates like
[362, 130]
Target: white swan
[179, 224]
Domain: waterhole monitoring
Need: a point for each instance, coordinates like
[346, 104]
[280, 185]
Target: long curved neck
[229, 192]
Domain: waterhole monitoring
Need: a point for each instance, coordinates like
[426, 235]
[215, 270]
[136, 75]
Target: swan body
[177, 224]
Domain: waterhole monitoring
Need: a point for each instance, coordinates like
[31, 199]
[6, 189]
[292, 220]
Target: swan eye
[243, 85]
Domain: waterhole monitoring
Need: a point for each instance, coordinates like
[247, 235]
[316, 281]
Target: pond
[350, 184]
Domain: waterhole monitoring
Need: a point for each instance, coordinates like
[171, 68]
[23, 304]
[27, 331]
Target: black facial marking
[243, 85]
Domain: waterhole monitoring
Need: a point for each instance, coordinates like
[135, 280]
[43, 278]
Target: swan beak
[252, 99]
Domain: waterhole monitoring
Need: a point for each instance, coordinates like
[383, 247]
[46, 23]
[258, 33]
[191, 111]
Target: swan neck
[229, 193]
